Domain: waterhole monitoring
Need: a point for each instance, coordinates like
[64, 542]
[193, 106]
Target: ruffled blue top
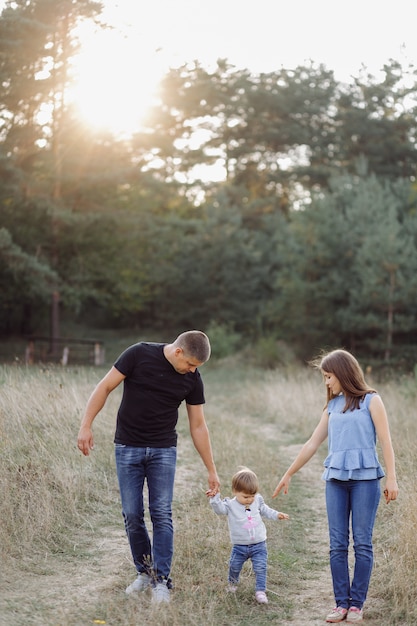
[352, 442]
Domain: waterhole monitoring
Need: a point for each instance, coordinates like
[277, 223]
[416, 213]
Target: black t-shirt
[153, 390]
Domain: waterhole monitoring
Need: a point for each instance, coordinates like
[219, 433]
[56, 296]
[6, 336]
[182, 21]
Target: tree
[376, 122]
[383, 286]
[37, 44]
[23, 280]
[350, 279]
[311, 286]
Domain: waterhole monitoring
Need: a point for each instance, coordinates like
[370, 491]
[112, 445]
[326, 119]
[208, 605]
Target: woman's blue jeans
[356, 501]
[157, 466]
[258, 554]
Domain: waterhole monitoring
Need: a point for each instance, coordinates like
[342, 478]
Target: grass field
[65, 559]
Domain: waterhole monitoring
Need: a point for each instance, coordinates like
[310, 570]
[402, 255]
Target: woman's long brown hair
[349, 373]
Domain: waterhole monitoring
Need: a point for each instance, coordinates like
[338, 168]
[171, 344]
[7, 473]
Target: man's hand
[85, 440]
[214, 485]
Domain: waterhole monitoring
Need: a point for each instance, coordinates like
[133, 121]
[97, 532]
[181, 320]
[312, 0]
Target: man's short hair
[195, 344]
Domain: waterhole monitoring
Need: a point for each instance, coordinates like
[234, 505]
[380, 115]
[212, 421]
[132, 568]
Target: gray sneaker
[338, 614]
[140, 583]
[161, 593]
[354, 615]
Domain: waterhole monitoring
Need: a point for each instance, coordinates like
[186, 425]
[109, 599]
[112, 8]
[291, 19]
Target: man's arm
[201, 439]
[97, 400]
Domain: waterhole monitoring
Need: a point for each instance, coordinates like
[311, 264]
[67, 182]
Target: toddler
[247, 530]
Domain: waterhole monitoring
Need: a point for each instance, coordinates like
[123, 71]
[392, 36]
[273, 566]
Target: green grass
[65, 557]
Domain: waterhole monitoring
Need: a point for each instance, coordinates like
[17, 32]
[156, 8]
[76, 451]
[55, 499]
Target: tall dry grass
[45, 488]
[65, 559]
[396, 574]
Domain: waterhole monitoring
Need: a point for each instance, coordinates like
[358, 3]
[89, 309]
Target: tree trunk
[390, 315]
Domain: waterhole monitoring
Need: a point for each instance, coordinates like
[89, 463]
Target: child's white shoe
[261, 597]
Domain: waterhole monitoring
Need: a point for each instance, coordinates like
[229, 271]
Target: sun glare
[116, 81]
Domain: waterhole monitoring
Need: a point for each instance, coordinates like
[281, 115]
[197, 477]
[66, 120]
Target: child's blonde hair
[245, 481]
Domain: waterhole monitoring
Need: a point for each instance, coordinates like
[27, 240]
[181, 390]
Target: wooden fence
[65, 351]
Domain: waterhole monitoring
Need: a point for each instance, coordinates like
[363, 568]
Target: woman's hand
[391, 490]
[283, 484]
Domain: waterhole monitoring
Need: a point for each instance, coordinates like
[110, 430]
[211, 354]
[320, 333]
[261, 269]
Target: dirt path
[61, 587]
[316, 597]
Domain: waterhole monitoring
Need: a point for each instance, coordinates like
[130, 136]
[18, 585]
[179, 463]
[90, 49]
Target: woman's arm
[307, 451]
[380, 420]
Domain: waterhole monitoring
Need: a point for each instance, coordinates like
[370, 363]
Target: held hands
[214, 485]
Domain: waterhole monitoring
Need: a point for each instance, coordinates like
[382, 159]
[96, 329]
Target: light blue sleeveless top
[352, 443]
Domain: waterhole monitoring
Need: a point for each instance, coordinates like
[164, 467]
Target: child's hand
[211, 493]
[283, 516]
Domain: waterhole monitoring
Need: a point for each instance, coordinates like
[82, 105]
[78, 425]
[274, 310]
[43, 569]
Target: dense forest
[310, 237]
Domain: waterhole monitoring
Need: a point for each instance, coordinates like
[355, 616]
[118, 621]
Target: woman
[354, 416]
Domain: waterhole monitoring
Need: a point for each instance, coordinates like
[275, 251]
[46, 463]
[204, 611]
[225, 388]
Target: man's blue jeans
[355, 500]
[258, 554]
[157, 466]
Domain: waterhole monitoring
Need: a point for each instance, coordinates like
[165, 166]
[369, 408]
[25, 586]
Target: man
[156, 377]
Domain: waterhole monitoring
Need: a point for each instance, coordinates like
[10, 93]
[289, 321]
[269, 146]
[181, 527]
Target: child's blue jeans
[258, 554]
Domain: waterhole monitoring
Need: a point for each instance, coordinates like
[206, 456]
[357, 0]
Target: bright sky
[264, 34]
[119, 70]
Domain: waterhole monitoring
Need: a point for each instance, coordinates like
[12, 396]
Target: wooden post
[65, 355]
[30, 353]
[98, 354]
